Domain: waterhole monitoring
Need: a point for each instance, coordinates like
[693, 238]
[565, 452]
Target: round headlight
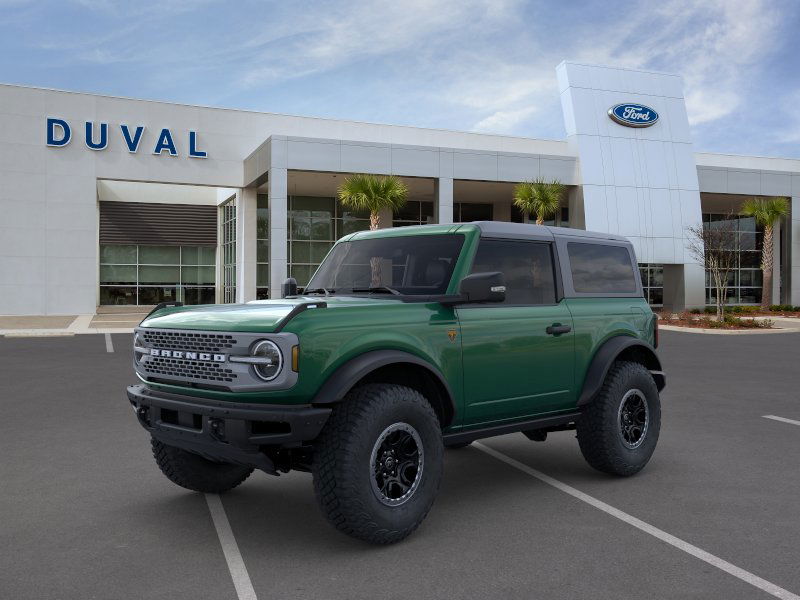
[269, 368]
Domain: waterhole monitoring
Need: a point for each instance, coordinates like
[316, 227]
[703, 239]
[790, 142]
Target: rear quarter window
[601, 269]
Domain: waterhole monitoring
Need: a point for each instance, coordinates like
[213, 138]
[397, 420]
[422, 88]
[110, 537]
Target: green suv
[405, 342]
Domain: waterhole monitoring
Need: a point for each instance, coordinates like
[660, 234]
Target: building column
[776, 264]
[684, 287]
[443, 195]
[245, 244]
[278, 234]
[387, 217]
[793, 270]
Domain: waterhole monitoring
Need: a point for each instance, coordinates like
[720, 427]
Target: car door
[518, 356]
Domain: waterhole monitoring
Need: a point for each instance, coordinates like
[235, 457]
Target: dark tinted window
[413, 264]
[601, 269]
[526, 266]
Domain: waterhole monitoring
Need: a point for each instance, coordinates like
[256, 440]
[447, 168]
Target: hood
[258, 316]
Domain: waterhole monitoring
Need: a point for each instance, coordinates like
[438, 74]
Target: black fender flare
[609, 351]
[352, 371]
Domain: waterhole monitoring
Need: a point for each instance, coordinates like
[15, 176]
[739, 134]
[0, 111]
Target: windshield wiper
[319, 290]
[378, 288]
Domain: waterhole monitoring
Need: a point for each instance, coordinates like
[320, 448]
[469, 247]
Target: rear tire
[378, 463]
[618, 431]
[196, 473]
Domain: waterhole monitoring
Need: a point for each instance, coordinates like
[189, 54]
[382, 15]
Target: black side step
[461, 437]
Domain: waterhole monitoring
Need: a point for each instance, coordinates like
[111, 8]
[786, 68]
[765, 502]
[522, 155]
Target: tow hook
[143, 414]
[217, 429]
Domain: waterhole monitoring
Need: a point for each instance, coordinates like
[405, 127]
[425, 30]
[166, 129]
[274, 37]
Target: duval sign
[59, 134]
[633, 115]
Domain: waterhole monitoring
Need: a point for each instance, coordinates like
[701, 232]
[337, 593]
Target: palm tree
[373, 193]
[766, 211]
[539, 197]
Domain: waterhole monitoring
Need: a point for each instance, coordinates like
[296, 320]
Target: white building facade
[112, 201]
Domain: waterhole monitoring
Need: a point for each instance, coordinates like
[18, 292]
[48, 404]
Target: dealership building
[113, 201]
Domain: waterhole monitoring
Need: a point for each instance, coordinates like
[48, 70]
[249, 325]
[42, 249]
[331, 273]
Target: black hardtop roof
[502, 228]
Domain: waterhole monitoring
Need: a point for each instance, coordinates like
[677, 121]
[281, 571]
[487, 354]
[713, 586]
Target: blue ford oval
[633, 115]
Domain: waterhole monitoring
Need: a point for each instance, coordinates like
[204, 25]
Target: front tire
[194, 472]
[378, 463]
[618, 431]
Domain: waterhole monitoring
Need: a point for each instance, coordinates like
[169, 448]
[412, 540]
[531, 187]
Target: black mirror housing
[483, 287]
[289, 287]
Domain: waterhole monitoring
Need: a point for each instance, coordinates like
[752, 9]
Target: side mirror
[289, 287]
[483, 287]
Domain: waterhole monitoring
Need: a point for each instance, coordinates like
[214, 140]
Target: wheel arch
[619, 348]
[391, 366]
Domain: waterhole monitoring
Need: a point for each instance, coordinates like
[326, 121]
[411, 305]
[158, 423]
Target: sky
[471, 65]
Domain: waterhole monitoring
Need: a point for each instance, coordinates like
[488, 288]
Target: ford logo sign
[633, 115]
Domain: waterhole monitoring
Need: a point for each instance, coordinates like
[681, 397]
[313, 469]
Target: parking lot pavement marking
[678, 543]
[782, 419]
[241, 579]
[109, 343]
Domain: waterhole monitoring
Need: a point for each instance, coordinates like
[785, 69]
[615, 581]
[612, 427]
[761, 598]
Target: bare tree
[714, 246]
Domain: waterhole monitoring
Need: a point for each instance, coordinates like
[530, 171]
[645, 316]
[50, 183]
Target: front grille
[193, 369]
[180, 340]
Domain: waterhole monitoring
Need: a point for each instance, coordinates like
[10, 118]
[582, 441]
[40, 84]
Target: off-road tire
[599, 432]
[196, 473]
[343, 471]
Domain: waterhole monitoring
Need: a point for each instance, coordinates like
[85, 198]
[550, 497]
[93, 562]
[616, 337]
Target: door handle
[557, 329]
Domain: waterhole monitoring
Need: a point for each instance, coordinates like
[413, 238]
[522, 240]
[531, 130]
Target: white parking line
[241, 580]
[109, 343]
[782, 419]
[678, 543]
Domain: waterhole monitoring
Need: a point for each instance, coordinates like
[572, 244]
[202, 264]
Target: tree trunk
[766, 268]
[374, 220]
[375, 261]
[539, 220]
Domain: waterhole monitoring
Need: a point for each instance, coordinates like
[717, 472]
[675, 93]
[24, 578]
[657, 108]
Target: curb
[724, 331]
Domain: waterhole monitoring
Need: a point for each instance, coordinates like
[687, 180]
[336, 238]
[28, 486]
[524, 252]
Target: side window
[601, 269]
[526, 266]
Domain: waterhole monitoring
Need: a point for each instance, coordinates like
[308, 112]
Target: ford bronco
[406, 341]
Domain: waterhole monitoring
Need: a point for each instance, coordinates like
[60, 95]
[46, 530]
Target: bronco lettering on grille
[204, 356]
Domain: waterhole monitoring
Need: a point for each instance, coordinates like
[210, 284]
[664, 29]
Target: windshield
[409, 265]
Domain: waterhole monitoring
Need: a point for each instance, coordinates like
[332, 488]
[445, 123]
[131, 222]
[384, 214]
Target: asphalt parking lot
[85, 513]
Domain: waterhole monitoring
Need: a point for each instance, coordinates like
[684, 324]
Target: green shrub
[695, 311]
[783, 308]
[710, 310]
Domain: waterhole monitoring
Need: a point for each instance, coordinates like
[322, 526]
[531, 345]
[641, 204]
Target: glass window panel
[656, 296]
[426, 211]
[314, 203]
[262, 251]
[750, 295]
[262, 275]
[351, 225]
[208, 255]
[322, 228]
[262, 293]
[190, 255]
[527, 268]
[301, 252]
[197, 275]
[117, 274]
[750, 259]
[318, 251]
[117, 295]
[262, 223]
[747, 241]
[159, 255]
[302, 273]
[154, 295]
[599, 268]
[657, 276]
[149, 275]
[475, 212]
[409, 212]
[301, 227]
[198, 295]
[118, 255]
[643, 276]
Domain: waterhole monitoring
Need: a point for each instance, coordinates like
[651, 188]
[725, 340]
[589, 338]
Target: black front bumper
[225, 431]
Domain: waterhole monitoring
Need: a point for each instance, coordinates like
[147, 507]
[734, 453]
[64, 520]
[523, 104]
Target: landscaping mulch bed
[692, 321]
